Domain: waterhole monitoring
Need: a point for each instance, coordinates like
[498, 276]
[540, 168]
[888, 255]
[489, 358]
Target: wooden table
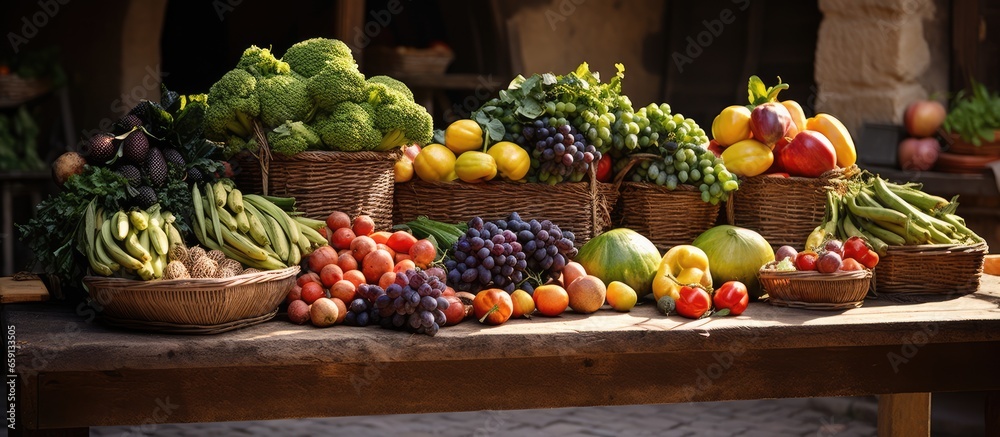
[76, 373]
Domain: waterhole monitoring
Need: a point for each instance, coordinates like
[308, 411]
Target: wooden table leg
[904, 414]
[993, 413]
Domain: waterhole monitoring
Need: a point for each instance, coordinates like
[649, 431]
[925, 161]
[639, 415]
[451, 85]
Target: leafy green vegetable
[51, 235]
[974, 117]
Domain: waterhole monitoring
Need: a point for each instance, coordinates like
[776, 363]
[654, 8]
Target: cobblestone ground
[784, 417]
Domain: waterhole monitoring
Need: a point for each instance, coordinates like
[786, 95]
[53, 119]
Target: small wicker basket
[322, 182]
[814, 290]
[15, 90]
[667, 217]
[784, 210]
[583, 208]
[191, 305]
[401, 61]
[931, 269]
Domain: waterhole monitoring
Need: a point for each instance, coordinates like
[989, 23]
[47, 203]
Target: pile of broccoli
[313, 98]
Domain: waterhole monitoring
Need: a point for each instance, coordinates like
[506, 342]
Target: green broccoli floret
[292, 137]
[261, 63]
[349, 127]
[232, 105]
[283, 98]
[399, 119]
[392, 84]
[337, 84]
[235, 145]
[311, 56]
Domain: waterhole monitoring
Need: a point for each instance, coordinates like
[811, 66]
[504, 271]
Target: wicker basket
[814, 290]
[931, 269]
[322, 182]
[191, 305]
[784, 210]
[580, 207]
[402, 61]
[15, 90]
[667, 217]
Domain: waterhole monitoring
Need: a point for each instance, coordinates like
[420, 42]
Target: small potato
[298, 312]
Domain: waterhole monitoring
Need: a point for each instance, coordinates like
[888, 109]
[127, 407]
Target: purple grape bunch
[413, 302]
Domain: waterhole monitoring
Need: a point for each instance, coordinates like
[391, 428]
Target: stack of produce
[768, 136]
[147, 162]
[312, 98]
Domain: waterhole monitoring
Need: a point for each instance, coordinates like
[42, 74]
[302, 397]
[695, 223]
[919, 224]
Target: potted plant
[974, 122]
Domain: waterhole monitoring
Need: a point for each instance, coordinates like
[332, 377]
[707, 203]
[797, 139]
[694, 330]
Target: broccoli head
[235, 145]
[283, 98]
[403, 123]
[311, 56]
[337, 84]
[292, 137]
[232, 105]
[348, 128]
[261, 63]
[392, 84]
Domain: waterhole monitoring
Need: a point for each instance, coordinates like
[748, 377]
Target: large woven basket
[784, 210]
[191, 305]
[931, 269]
[815, 290]
[322, 182]
[667, 217]
[583, 208]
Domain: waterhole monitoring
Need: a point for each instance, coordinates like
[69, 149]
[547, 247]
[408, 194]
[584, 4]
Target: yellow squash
[463, 136]
[748, 158]
[475, 167]
[512, 161]
[798, 118]
[435, 163]
[732, 125]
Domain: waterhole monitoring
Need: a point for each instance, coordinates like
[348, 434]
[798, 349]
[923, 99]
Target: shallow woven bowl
[192, 303]
[814, 290]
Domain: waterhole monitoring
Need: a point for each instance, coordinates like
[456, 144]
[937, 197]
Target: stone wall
[873, 58]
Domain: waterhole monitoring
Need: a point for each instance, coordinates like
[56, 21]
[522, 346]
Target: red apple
[769, 122]
[918, 153]
[777, 166]
[810, 154]
[923, 118]
[715, 148]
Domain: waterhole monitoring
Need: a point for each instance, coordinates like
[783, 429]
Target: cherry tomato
[806, 261]
[732, 296]
[693, 302]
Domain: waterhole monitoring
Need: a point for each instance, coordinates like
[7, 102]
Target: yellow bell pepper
[798, 118]
[732, 125]
[475, 167]
[512, 161]
[838, 135]
[435, 163]
[463, 136]
[748, 158]
[680, 266]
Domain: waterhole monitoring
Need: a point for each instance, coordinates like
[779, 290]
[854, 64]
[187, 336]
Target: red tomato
[604, 169]
[693, 302]
[855, 247]
[806, 261]
[868, 259]
[851, 265]
[732, 296]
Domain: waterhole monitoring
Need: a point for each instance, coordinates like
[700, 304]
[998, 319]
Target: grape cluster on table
[412, 302]
[506, 253]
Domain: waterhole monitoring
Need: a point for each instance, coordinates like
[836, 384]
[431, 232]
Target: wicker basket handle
[633, 160]
[263, 156]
